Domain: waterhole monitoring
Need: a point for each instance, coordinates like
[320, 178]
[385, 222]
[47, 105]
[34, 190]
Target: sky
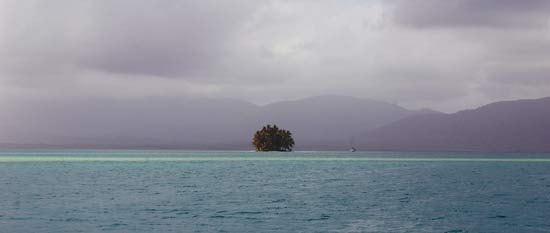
[446, 55]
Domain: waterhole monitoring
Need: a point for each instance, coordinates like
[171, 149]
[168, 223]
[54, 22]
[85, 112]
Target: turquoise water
[201, 191]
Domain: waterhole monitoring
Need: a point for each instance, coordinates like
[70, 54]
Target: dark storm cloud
[473, 13]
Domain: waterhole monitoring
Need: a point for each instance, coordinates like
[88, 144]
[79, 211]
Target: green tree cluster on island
[271, 138]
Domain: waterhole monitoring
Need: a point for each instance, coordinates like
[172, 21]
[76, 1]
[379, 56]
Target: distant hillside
[509, 126]
[323, 122]
[331, 121]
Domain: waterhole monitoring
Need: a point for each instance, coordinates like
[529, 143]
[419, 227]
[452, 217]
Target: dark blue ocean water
[54, 191]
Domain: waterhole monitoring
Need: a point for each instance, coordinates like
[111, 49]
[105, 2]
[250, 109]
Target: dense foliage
[271, 138]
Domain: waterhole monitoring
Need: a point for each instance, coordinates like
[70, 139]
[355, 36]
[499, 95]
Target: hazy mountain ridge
[331, 121]
[318, 123]
[322, 122]
[507, 126]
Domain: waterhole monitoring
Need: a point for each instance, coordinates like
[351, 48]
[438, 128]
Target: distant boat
[352, 149]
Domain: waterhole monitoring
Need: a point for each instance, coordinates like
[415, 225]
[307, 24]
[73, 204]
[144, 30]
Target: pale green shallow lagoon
[7, 159]
[232, 191]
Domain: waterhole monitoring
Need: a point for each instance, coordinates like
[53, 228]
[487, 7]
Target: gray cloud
[473, 13]
[521, 75]
[168, 38]
[446, 55]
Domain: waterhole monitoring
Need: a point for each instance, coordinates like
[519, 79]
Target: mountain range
[317, 123]
[508, 126]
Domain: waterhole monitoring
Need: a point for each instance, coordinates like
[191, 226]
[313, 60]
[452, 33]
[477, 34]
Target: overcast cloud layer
[442, 54]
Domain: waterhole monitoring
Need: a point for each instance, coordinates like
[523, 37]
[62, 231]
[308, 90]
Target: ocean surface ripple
[201, 191]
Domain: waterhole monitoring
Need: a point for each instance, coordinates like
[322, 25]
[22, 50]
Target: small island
[271, 138]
